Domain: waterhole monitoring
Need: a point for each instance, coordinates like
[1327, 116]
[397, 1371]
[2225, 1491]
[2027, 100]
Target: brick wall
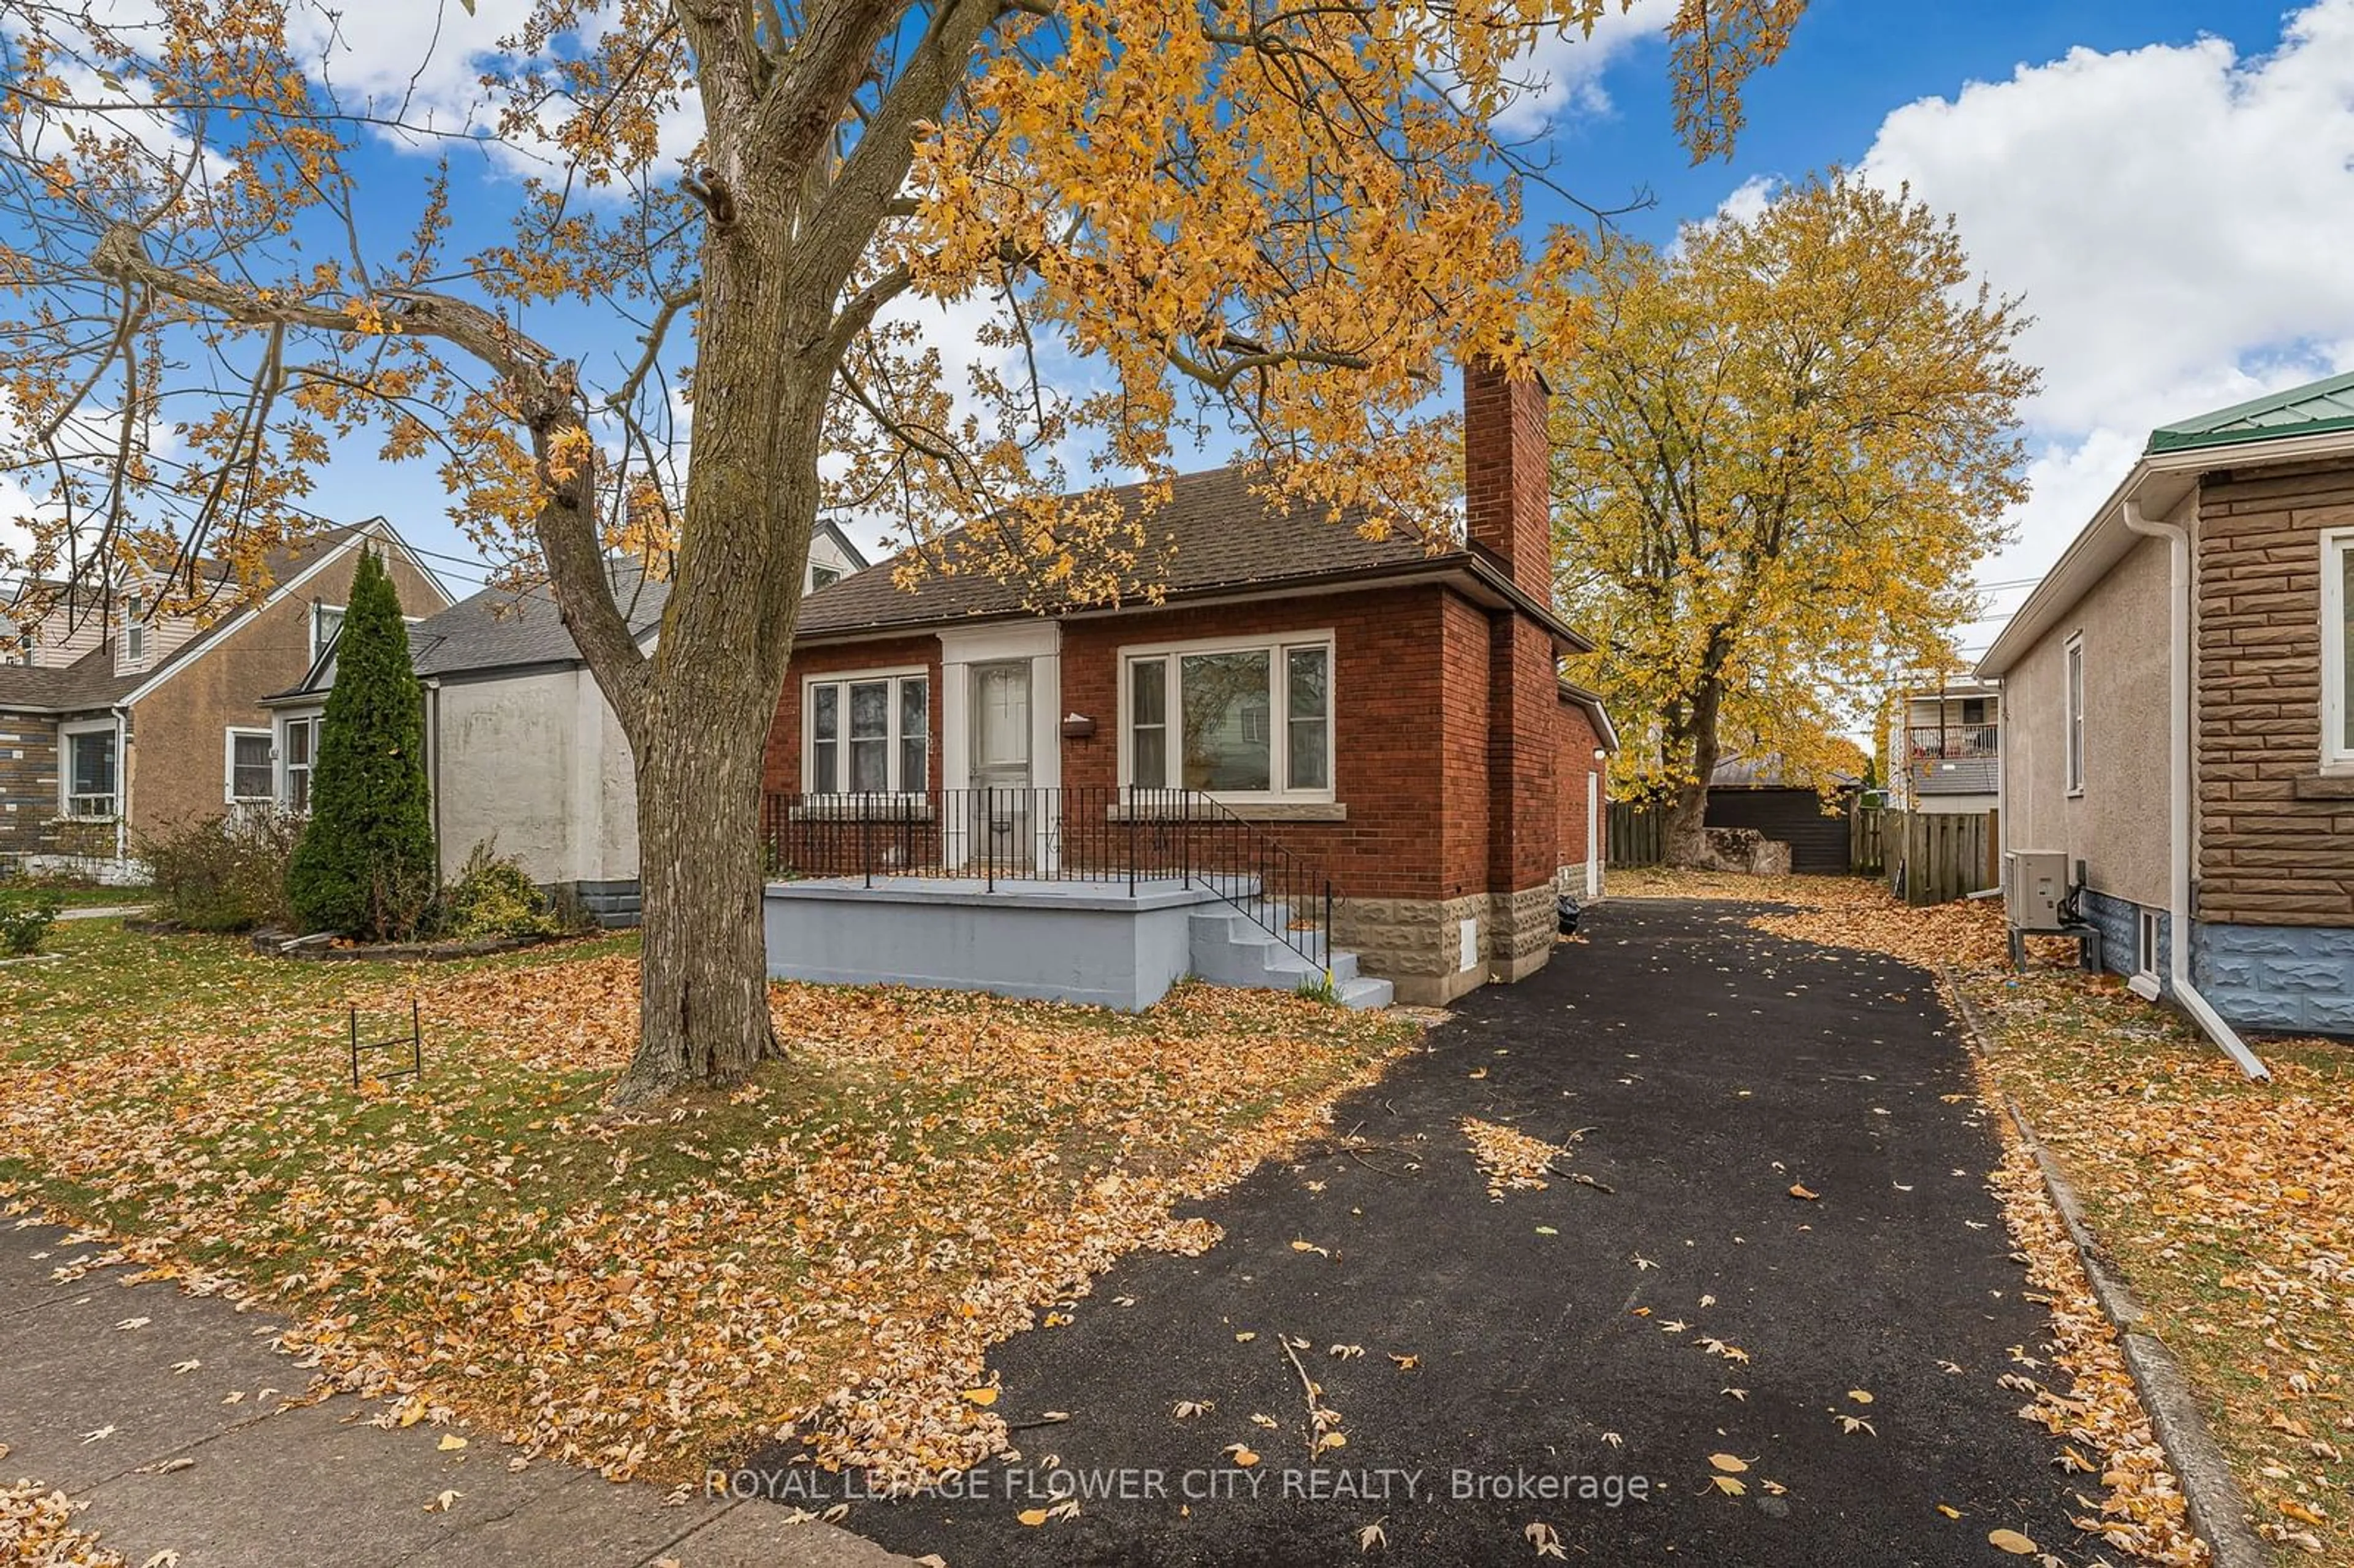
[1466, 707]
[1524, 756]
[2274, 848]
[781, 770]
[1388, 694]
[1427, 689]
[1574, 741]
[28, 781]
[1507, 480]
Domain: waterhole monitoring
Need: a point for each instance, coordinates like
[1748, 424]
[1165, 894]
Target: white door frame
[1592, 833]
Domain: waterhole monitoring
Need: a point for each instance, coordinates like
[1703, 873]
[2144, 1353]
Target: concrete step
[1364, 994]
[1230, 949]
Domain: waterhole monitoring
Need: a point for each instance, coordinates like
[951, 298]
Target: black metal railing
[1003, 838]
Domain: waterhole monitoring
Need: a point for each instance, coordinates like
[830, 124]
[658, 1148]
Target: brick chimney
[1507, 490]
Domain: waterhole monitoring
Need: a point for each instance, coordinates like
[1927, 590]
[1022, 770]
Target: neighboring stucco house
[2175, 696]
[1394, 715]
[831, 557]
[522, 749]
[119, 722]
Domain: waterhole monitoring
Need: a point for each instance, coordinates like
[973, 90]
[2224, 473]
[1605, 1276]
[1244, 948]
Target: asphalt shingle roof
[90, 681]
[1959, 775]
[2309, 410]
[1213, 534]
[498, 629]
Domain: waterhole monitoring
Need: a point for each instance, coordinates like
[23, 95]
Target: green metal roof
[2306, 410]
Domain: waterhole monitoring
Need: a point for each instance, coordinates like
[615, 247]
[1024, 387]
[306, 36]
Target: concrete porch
[1106, 944]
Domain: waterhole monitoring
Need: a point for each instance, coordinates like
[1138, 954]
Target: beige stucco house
[2176, 717]
[522, 750]
[118, 721]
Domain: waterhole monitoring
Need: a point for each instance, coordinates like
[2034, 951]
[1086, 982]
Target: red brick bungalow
[1394, 716]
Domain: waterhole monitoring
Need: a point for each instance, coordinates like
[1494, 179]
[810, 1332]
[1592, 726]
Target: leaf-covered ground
[2227, 1204]
[832, 1246]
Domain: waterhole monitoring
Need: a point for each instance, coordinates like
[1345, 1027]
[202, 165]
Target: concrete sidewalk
[167, 1413]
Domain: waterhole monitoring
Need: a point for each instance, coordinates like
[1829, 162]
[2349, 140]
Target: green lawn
[921, 1174]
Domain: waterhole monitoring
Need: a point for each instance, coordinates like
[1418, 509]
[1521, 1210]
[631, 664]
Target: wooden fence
[1867, 840]
[1927, 858]
[1638, 835]
[1933, 857]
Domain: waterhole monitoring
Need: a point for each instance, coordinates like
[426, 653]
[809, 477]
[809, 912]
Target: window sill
[1221, 811]
[2326, 787]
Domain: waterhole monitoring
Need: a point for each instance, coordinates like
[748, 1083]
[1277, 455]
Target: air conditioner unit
[2034, 881]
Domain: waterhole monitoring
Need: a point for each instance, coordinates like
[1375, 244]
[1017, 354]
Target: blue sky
[2167, 184]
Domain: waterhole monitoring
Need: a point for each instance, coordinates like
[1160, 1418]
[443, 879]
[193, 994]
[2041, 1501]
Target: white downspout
[2179, 789]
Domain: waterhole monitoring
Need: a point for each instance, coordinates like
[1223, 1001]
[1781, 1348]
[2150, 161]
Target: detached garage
[1745, 792]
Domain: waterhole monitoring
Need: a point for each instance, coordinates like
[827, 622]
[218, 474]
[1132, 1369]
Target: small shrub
[26, 918]
[224, 873]
[495, 898]
[1318, 987]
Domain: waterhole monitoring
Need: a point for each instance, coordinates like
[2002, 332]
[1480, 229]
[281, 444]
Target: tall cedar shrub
[365, 865]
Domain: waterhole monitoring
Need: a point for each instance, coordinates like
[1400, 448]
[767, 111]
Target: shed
[1749, 792]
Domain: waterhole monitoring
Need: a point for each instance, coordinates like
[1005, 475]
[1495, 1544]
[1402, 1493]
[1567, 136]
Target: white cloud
[1749, 198]
[2178, 220]
[1566, 66]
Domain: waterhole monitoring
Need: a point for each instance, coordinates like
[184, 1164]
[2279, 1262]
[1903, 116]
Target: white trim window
[248, 777]
[2072, 710]
[867, 734]
[297, 752]
[89, 769]
[1246, 718]
[135, 631]
[2147, 940]
[2337, 646]
[326, 620]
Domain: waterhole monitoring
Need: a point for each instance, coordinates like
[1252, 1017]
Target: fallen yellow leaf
[2010, 1540]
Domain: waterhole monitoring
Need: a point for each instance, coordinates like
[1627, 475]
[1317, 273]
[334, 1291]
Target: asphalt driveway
[1572, 1346]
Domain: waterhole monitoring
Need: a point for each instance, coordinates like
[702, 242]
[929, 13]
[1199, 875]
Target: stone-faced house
[120, 721]
[1394, 716]
[2177, 718]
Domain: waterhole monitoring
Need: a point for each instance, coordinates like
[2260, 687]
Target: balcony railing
[1954, 740]
[1090, 834]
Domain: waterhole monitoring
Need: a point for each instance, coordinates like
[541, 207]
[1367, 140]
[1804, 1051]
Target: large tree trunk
[710, 690]
[704, 1005]
[1687, 836]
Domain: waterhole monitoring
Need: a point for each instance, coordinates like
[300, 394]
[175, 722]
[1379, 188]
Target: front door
[1002, 807]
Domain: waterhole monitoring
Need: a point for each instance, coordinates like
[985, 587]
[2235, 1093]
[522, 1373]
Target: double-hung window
[1247, 719]
[135, 631]
[2075, 714]
[249, 780]
[294, 767]
[92, 771]
[869, 734]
